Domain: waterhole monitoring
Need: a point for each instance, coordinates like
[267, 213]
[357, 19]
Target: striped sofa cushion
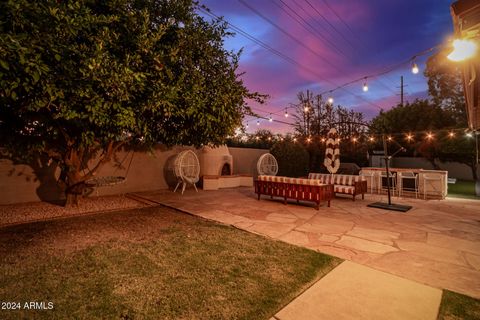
[339, 179]
[323, 177]
[309, 182]
[271, 178]
[344, 189]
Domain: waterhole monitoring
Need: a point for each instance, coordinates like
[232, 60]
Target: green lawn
[456, 306]
[462, 189]
[150, 263]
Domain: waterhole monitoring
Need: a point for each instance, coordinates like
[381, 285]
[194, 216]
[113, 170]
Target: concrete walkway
[437, 243]
[353, 291]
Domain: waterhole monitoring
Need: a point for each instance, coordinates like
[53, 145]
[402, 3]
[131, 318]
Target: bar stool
[429, 178]
[391, 176]
[407, 175]
[369, 175]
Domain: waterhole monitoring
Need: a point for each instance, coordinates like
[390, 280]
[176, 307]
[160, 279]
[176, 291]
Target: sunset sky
[359, 39]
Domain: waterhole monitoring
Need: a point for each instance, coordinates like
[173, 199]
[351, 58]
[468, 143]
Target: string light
[286, 113]
[258, 122]
[247, 125]
[323, 139]
[294, 139]
[269, 138]
[451, 134]
[270, 119]
[365, 86]
[389, 138]
[330, 98]
[309, 140]
[429, 136]
[257, 138]
[469, 134]
[305, 109]
[371, 139]
[415, 69]
[409, 137]
[354, 140]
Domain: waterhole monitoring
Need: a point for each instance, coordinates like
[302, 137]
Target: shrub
[292, 158]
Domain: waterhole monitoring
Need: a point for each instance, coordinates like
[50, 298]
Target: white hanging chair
[187, 169]
[267, 165]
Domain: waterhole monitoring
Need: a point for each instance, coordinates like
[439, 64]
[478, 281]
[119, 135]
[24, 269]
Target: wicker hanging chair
[267, 165]
[186, 169]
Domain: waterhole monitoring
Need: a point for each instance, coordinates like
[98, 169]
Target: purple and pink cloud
[359, 39]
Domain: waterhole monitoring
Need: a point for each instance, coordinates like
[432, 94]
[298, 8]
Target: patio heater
[389, 205]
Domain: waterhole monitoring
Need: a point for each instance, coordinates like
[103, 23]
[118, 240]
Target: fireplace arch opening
[226, 169]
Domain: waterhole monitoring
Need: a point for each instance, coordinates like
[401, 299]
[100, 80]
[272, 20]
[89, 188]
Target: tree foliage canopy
[77, 77]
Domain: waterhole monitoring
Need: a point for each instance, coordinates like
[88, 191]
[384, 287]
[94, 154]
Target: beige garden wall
[245, 160]
[148, 171]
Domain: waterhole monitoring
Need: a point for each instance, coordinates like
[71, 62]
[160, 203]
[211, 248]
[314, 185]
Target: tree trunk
[74, 188]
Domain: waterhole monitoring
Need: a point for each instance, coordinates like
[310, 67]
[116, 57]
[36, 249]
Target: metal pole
[401, 90]
[385, 151]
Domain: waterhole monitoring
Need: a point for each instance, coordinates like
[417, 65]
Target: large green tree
[80, 79]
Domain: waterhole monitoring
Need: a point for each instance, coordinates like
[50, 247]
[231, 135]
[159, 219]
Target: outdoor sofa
[294, 188]
[343, 183]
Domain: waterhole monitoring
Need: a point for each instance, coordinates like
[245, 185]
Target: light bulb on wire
[415, 69]
[258, 122]
[270, 119]
[365, 86]
[286, 113]
[330, 100]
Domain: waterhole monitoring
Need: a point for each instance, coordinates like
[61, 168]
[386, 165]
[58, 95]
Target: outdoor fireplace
[216, 161]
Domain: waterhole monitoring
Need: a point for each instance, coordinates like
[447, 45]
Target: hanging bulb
[429, 136]
[365, 86]
[258, 122]
[330, 100]
[270, 119]
[371, 139]
[451, 134]
[247, 125]
[305, 109]
[414, 68]
[409, 137]
[354, 139]
[286, 113]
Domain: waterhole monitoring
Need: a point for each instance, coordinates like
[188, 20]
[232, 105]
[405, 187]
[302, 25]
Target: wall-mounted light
[462, 50]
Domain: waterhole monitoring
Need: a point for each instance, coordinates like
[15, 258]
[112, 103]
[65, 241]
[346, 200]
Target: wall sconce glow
[415, 69]
[365, 87]
[462, 50]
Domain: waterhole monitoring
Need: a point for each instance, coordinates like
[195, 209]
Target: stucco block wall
[245, 160]
[148, 171]
[37, 181]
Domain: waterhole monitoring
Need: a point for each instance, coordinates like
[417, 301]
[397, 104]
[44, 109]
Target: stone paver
[436, 243]
[353, 291]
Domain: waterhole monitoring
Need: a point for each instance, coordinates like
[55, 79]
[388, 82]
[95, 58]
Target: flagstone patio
[436, 243]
